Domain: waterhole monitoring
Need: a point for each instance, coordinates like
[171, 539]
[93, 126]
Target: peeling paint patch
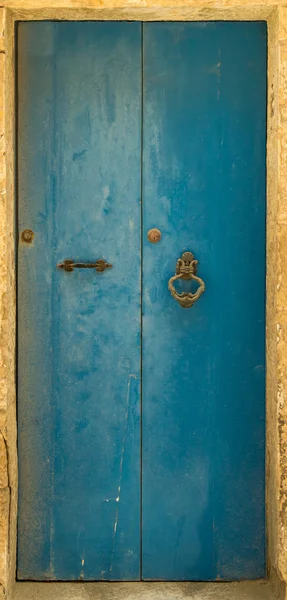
[121, 466]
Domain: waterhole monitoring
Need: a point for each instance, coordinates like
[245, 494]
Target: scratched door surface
[79, 332]
[203, 368]
[140, 423]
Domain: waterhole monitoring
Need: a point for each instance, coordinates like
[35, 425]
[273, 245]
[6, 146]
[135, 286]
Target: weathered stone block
[282, 265]
[3, 463]
[4, 523]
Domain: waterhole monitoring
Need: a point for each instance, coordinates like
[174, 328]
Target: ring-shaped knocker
[186, 267]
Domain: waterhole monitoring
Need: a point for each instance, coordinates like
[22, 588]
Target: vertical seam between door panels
[141, 293]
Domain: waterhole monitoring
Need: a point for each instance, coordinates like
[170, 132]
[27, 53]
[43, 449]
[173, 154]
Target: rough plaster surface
[276, 14]
[4, 487]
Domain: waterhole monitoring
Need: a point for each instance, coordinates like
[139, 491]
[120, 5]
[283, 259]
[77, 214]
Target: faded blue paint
[203, 382]
[203, 369]
[79, 333]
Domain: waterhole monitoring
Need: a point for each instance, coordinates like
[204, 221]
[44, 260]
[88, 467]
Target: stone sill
[246, 590]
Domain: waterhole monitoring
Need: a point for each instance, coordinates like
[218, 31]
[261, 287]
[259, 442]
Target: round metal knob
[27, 236]
[154, 235]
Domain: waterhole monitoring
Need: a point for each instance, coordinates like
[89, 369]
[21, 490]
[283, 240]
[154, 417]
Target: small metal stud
[27, 236]
[154, 235]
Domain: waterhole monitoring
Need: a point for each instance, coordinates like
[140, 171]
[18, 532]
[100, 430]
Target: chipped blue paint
[203, 383]
[79, 333]
[194, 139]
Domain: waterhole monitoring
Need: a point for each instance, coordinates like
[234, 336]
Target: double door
[141, 421]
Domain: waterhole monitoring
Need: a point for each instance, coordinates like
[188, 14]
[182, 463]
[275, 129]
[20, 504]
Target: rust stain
[27, 236]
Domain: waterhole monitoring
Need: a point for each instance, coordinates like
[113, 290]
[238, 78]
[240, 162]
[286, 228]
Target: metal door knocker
[186, 268]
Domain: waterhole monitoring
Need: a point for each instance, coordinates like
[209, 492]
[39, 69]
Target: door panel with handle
[141, 423]
[79, 331]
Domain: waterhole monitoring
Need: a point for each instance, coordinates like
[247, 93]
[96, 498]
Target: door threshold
[245, 590]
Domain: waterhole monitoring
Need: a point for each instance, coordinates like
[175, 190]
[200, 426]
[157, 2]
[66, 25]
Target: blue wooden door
[141, 423]
[203, 375]
[79, 332]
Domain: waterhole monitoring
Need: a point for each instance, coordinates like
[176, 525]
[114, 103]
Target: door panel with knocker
[141, 300]
[204, 89]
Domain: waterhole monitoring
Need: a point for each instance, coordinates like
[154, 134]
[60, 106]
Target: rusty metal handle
[69, 265]
[186, 267]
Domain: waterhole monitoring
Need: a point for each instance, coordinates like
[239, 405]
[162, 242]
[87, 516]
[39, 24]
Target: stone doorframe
[275, 13]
